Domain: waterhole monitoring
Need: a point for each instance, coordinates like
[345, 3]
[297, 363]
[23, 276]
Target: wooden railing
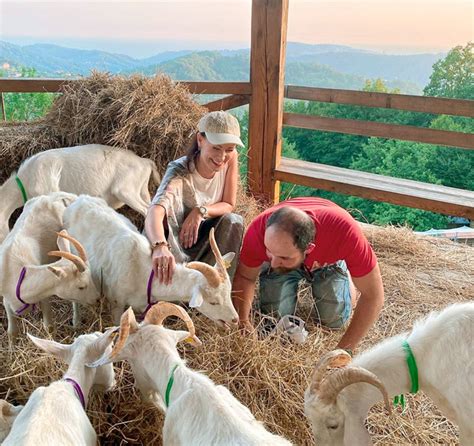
[238, 92]
[432, 197]
[416, 194]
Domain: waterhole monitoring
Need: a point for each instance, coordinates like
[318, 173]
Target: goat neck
[387, 362]
[84, 376]
[157, 360]
[37, 285]
[182, 285]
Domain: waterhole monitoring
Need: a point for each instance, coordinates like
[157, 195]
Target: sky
[143, 28]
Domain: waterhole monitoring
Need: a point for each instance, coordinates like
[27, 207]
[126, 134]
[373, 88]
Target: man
[314, 239]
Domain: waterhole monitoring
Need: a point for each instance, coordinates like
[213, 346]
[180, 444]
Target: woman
[198, 192]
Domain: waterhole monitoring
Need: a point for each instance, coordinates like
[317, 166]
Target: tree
[453, 76]
[27, 106]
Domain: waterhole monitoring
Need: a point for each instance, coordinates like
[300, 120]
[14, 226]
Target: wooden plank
[38, 85]
[26, 85]
[431, 197]
[381, 130]
[218, 87]
[229, 102]
[267, 64]
[425, 104]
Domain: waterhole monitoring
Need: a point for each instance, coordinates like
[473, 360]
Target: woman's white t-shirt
[209, 190]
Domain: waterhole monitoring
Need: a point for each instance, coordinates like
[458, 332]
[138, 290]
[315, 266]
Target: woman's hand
[189, 231]
[163, 264]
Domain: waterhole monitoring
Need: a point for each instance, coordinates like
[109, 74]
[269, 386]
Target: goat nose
[235, 320]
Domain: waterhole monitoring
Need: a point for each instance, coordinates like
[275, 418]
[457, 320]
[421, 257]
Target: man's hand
[246, 327]
[189, 231]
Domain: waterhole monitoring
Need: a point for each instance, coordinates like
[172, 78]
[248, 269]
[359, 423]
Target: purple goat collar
[148, 295]
[18, 293]
[78, 390]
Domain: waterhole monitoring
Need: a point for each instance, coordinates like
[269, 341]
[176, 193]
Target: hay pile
[270, 376]
[154, 117]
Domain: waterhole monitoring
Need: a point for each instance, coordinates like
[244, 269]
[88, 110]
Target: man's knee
[278, 292]
[333, 298]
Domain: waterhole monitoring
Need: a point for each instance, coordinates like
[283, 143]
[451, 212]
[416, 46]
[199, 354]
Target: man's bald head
[296, 223]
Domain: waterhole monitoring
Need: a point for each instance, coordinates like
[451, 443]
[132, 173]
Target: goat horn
[211, 274]
[128, 325]
[341, 378]
[159, 312]
[80, 264]
[80, 249]
[335, 358]
[221, 267]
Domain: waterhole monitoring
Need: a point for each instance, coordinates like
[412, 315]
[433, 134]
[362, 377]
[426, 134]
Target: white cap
[221, 127]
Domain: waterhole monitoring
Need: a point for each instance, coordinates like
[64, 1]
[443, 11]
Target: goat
[337, 404]
[120, 259]
[117, 175]
[8, 414]
[55, 415]
[197, 411]
[26, 277]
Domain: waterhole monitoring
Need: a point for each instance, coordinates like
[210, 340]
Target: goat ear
[61, 351]
[104, 340]
[58, 272]
[62, 243]
[196, 299]
[227, 259]
[181, 335]
[9, 410]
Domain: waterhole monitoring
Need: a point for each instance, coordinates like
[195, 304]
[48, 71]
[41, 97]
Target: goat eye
[214, 303]
[82, 287]
[333, 426]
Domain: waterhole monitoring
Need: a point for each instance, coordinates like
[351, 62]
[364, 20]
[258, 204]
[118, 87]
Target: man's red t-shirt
[338, 237]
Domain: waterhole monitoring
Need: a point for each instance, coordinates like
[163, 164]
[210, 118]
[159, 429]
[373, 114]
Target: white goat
[197, 411]
[117, 175]
[337, 403]
[55, 415]
[8, 414]
[120, 259]
[27, 278]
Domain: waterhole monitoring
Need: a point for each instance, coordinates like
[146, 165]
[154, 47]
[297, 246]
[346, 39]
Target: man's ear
[62, 351]
[310, 248]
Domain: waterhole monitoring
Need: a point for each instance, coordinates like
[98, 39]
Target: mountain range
[336, 66]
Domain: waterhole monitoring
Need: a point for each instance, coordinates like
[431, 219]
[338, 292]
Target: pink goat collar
[78, 390]
[18, 293]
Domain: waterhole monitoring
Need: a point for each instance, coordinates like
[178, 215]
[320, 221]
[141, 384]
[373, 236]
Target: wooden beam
[218, 87]
[26, 85]
[229, 102]
[381, 130]
[267, 65]
[425, 104]
[416, 194]
[38, 85]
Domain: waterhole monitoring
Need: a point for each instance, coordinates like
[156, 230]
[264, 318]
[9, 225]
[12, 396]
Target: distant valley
[331, 66]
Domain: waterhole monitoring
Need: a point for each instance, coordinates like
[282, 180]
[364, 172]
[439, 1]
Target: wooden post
[4, 113]
[267, 66]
